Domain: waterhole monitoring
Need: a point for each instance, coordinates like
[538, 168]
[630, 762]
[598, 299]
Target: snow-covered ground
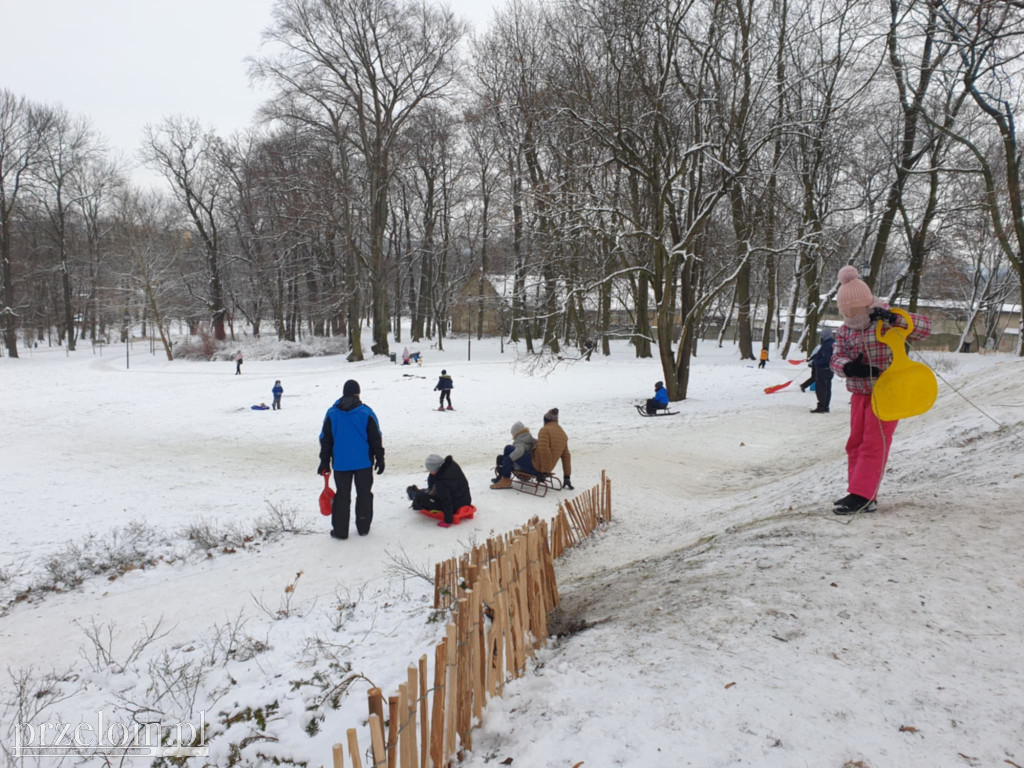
[725, 617]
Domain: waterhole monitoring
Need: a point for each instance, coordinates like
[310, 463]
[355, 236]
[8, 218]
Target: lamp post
[126, 318]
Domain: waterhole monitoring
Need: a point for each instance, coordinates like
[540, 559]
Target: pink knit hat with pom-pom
[853, 293]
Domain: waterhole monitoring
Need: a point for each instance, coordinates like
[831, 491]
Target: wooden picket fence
[500, 594]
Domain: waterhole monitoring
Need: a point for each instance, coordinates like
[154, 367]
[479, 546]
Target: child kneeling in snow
[447, 489]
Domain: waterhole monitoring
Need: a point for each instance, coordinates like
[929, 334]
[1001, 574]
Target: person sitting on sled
[552, 447]
[660, 400]
[444, 385]
[516, 457]
[860, 358]
[447, 489]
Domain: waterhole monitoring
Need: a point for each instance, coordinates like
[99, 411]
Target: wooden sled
[462, 513]
[642, 410]
[535, 485]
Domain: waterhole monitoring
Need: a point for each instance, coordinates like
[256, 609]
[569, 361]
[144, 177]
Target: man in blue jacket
[351, 440]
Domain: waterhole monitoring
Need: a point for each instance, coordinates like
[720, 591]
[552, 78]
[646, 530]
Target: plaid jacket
[850, 344]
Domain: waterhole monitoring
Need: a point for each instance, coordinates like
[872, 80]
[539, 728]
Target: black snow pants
[823, 386]
[343, 501]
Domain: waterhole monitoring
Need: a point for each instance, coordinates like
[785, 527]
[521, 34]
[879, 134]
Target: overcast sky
[126, 63]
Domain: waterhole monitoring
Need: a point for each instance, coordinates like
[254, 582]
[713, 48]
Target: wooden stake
[465, 688]
[476, 643]
[375, 700]
[380, 755]
[403, 725]
[338, 752]
[437, 713]
[353, 748]
[451, 692]
[424, 713]
[394, 715]
[438, 585]
[412, 691]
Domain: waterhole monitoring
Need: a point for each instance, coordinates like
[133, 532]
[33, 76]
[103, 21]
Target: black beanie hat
[443, 372]
[351, 388]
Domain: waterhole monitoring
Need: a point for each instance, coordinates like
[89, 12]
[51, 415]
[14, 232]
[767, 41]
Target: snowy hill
[725, 617]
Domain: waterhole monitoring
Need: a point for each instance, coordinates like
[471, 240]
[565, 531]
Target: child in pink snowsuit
[860, 358]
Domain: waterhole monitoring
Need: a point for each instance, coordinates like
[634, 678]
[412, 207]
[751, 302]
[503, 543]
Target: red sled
[797, 362]
[462, 513]
[777, 387]
[326, 496]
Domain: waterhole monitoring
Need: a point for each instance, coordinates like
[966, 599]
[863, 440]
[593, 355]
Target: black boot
[819, 409]
[853, 504]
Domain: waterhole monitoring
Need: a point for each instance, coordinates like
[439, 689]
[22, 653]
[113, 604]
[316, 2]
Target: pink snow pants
[867, 450]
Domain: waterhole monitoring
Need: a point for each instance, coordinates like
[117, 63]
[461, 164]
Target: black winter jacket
[450, 487]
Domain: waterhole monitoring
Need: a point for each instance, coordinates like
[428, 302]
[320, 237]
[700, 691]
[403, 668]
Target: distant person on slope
[351, 440]
[444, 385]
[821, 371]
[238, 363]
[660, 400]
[516, 457]
[447, 488]
[277, 391]
[860, 358]
[552, 446]
[764, 358]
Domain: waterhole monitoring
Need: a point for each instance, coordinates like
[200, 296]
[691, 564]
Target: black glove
[884, 315]
[858, 369]
[380, 464]
[567, 484]
[324, 467]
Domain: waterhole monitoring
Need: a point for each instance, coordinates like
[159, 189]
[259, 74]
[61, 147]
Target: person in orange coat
[764, 357]
[552, 447]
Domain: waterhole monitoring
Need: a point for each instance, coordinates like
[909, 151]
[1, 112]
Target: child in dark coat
[444, 385]
[447, 488]
[277, 391]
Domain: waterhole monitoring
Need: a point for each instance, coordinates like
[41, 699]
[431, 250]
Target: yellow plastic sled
[906, 388]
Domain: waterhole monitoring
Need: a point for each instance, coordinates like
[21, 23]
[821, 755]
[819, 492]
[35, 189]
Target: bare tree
[186, 155]
[69, 146]
[371, 62]
[152, 242]
[987, 38]
[22, 128]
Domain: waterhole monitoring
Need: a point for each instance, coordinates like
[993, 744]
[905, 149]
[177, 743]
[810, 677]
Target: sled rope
[977, 407]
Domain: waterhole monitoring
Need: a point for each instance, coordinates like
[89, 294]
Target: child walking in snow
[764, 358]
[860, 358]
[277, 391]
[444, 385]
